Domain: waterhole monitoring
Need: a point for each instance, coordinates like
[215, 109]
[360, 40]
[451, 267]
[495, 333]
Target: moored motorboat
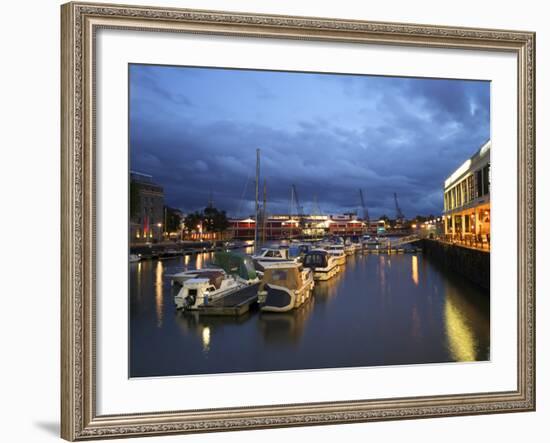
[238, 265]
[370, 240]
[349, 249]
[337, 251]
[323, 264]
[273, 254]
[134, 258]
[284, 286]
[181, 277]
[206, 288]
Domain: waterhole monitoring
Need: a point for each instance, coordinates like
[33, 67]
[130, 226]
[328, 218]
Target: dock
[392, 250]
[234, 304]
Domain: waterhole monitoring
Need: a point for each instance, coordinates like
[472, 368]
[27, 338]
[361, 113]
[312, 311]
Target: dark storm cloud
[196, 131]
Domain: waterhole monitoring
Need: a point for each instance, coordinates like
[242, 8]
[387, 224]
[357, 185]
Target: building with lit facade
[467, 201]
[288, 226]
[146, 209]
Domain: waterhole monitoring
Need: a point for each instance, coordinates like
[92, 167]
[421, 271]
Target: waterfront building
[274, 228]
[284, 226]
[146, 209]
[346, 225]
[467, 201]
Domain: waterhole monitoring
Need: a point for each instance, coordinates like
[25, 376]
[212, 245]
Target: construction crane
[398, 213]
[365, 210]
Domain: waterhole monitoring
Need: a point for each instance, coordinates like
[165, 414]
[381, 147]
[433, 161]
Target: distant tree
[215, 220]
[221, 223]
[192, 220]
[385, 218]
[173, 219]
[211, 219]
[209, 215]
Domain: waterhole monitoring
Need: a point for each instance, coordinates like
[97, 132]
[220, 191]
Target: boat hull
[340, 259]
[281, 299]
[191, 302]
[325, 274]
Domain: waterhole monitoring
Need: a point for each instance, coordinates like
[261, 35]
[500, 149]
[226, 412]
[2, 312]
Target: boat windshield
[315, 259]
[297, 250]
[215, 278]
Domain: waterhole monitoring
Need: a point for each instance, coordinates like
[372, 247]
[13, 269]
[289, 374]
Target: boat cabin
[267, 254]
[316, 259]
[238, 265]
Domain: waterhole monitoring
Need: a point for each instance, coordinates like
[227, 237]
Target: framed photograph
[277, 221]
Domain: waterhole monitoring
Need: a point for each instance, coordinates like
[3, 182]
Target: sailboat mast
[264, 214]
[256, 230]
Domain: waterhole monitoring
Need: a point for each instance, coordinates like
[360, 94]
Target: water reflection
[380, 310]
[199, 261]
[414, 275]
[205, 338]
[159, 300]
[325, 291]
[466, 327]
[382, 273]
[286, 327]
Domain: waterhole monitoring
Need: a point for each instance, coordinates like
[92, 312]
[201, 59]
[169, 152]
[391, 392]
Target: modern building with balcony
[467, 201]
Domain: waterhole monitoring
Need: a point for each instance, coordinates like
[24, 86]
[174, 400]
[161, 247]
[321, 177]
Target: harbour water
[381, 310]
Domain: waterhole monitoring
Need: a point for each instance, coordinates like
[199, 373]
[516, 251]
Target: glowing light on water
[199, 261]
[159, 302]
[382, 272]
[206, 338]
[460, 336]
[415, 269]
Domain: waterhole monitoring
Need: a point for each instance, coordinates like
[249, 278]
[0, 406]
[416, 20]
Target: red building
[346, 228]
[284, 226]
[273, 229]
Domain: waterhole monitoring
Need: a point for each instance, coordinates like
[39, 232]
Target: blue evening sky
[196, 131]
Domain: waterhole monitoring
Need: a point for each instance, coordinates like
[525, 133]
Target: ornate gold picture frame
[80, 22]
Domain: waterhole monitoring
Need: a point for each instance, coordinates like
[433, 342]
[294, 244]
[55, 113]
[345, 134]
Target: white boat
[349, 249]
[323, 264]
[181, 277]
[370, 241]
[337, 251]
[134, 258]
[274, 254]
[206, 288]
[284, 286]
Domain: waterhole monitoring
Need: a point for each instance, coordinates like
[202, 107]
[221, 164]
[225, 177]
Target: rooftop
[480, 154]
